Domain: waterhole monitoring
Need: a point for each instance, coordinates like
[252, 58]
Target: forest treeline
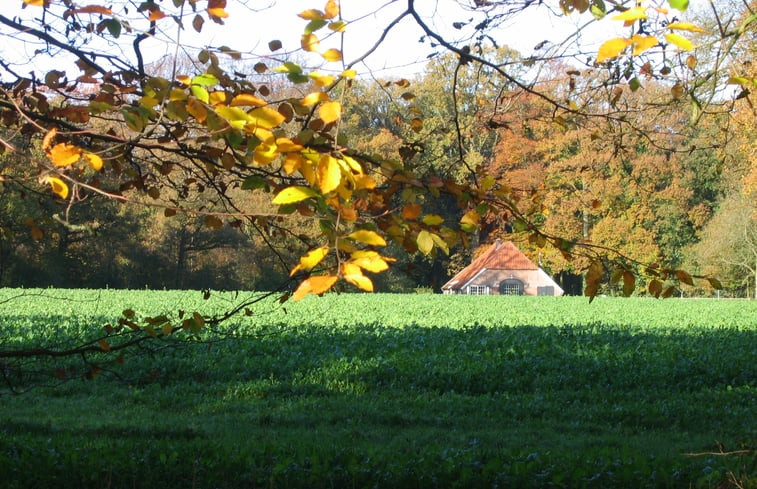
[689, 204]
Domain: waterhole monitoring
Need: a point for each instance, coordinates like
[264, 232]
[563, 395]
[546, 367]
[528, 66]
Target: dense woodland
[660, 177]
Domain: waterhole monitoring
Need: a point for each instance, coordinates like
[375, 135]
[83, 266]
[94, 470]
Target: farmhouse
[502, 270]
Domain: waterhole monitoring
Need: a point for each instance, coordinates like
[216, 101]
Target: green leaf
[113, 26]
[679, 4]
[598, 9]
[315, 25]
[205, 80]
[254, 182]
[432, 220]
[200, 93]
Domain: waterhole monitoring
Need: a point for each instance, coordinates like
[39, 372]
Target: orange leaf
[246, 99]
[197, 110]
[104, 345]
[330, 112]
[156, 14]
[36, 3]
[90, 9]
[48, 139]
[411, 211]
[64, 154]
[314, 285]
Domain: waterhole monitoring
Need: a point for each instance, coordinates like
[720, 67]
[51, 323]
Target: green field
[390, 391]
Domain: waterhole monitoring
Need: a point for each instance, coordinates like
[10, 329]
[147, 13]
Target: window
[478, 290]
[511, 286]
[545, 290]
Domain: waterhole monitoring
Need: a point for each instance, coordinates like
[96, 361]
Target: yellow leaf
[293, 194]
[311, 14]
[177, 94]
[311, 259]
[216, 8]
[292, 163]
[425, 242]
[684, 26]
[330, 112]
[360, 281]
[353, 165]
[364, 182]
[315, 98]
[329, 174]
[286, 145]
[309, 42]
[265, 153]
[349, 74]
[64, 154]
[612, 48]
[266, 117]
[236, 116]
[36, 3]
[217, 97]
[642, 43]
[332, 55]
[331, 10]
[94, 161]
[218, 13]
[59, 186]
[186, 80]
[368, 237]
[370, 261]
[635, 13]
[246, 99]
[314, 285]
[679, 41]
[322, 80]
[338, 26]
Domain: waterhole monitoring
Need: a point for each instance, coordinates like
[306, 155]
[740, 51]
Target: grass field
[391, 391]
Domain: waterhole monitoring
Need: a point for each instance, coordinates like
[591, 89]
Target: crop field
[360, 390]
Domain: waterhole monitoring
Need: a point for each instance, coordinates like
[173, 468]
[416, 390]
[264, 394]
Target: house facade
[502, 270]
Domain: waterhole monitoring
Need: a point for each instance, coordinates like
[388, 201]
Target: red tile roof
[499, 256]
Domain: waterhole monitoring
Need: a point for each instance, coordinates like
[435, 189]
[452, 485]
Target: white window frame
[478, 290]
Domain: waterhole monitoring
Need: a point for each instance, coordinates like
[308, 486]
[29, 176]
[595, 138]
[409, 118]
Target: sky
[250, 27]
